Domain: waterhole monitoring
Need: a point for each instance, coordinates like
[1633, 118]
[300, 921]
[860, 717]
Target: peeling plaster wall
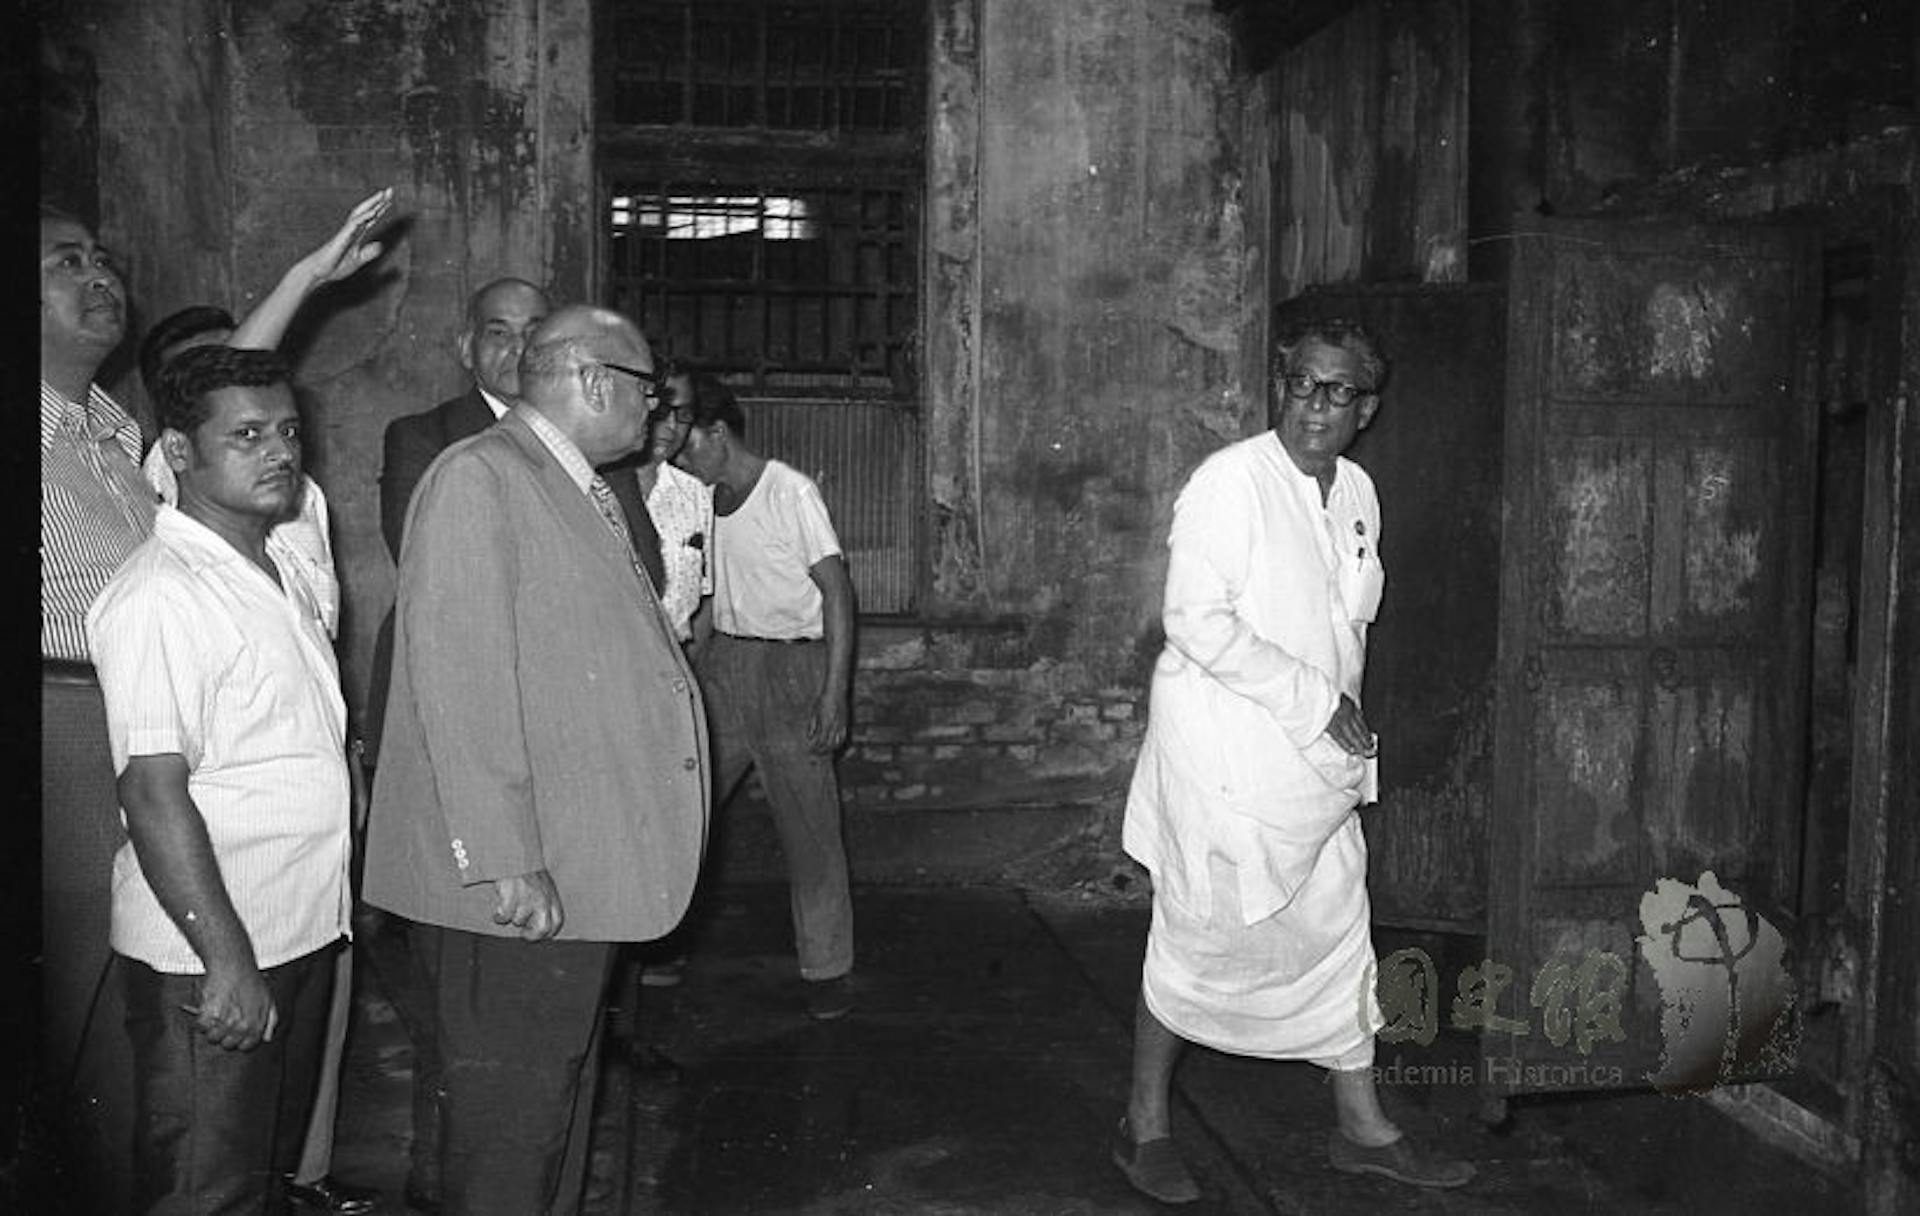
[236, 135]
[165, 160]
[1094, 326]
[1113, 260]
[1094, 303]
[951, 301]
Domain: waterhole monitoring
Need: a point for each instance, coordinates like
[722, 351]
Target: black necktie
[636, 529]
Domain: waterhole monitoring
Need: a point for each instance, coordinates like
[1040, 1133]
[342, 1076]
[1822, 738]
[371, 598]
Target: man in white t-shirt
[778, 670]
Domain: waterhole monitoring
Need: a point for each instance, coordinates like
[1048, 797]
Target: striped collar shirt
[200, 655]
[564, 450]
[581, 472]
[95, 509]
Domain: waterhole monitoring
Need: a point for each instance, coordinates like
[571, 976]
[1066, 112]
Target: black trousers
[214, 1128]
[519, 1026]
[395, 949]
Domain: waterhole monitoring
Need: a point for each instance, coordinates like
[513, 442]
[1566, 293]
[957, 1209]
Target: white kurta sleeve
[1213, 547]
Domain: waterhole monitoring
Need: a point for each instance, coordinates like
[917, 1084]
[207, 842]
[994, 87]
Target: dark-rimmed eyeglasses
[1302, 387]
[652, 384]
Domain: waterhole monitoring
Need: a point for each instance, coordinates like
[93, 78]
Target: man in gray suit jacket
[499, 318]
[542, 786]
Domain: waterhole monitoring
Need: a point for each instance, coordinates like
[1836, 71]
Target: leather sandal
[1400, 1161]
[1153, 1166]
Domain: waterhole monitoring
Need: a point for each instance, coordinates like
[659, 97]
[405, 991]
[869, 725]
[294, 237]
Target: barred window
[796, 65]
[760, 168]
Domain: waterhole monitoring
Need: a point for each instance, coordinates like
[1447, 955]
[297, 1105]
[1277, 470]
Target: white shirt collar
[494, 403]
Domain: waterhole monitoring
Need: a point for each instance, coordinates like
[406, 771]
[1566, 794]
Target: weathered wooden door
[1434, 453]
[1651, 677]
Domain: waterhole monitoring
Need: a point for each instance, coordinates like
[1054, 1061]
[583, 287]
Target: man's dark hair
[1331, 331]
[187, 378]
[170, 331]
[714, 402]
[54, 211]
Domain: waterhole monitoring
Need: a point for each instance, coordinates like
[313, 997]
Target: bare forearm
[702, 626]
[837, 628]
[267, 322]
[176, 856]
[342, 254]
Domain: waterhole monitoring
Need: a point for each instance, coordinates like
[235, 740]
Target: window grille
[761, 177]
[798, 288]
[829, 65]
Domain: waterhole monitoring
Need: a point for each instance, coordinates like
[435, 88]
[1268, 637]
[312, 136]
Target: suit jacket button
[690, 764]
[679, 685]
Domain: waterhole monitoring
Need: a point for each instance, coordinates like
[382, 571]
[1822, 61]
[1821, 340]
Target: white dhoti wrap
[1242, 806]
[1296, 985]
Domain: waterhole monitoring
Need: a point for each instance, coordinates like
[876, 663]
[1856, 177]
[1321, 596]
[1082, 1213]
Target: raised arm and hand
[342, 255]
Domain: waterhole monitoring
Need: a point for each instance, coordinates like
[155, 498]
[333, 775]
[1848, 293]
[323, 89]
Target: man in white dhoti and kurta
[1245, 803]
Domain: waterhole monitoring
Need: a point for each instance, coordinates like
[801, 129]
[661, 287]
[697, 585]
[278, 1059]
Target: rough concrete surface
[985, 1066]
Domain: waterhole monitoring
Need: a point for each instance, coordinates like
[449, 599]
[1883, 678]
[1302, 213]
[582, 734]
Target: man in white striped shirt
[228, 734]
[94, 505]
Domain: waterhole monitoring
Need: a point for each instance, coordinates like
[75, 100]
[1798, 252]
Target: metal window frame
[772, 159]
[691, 78]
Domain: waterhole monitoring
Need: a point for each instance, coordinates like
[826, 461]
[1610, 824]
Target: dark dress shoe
[1153, 1166]
[331, 1195]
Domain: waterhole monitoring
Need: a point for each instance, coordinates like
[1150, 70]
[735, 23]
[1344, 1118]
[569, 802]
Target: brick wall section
[953, 719]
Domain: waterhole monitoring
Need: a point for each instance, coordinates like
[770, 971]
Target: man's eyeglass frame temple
[653, 380]
[656, 386]
[656, 391]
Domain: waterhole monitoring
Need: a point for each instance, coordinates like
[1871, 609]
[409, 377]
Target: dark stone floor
[984, 1068]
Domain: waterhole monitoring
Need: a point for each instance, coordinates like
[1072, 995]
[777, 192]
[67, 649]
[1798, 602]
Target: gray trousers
[759, 697]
